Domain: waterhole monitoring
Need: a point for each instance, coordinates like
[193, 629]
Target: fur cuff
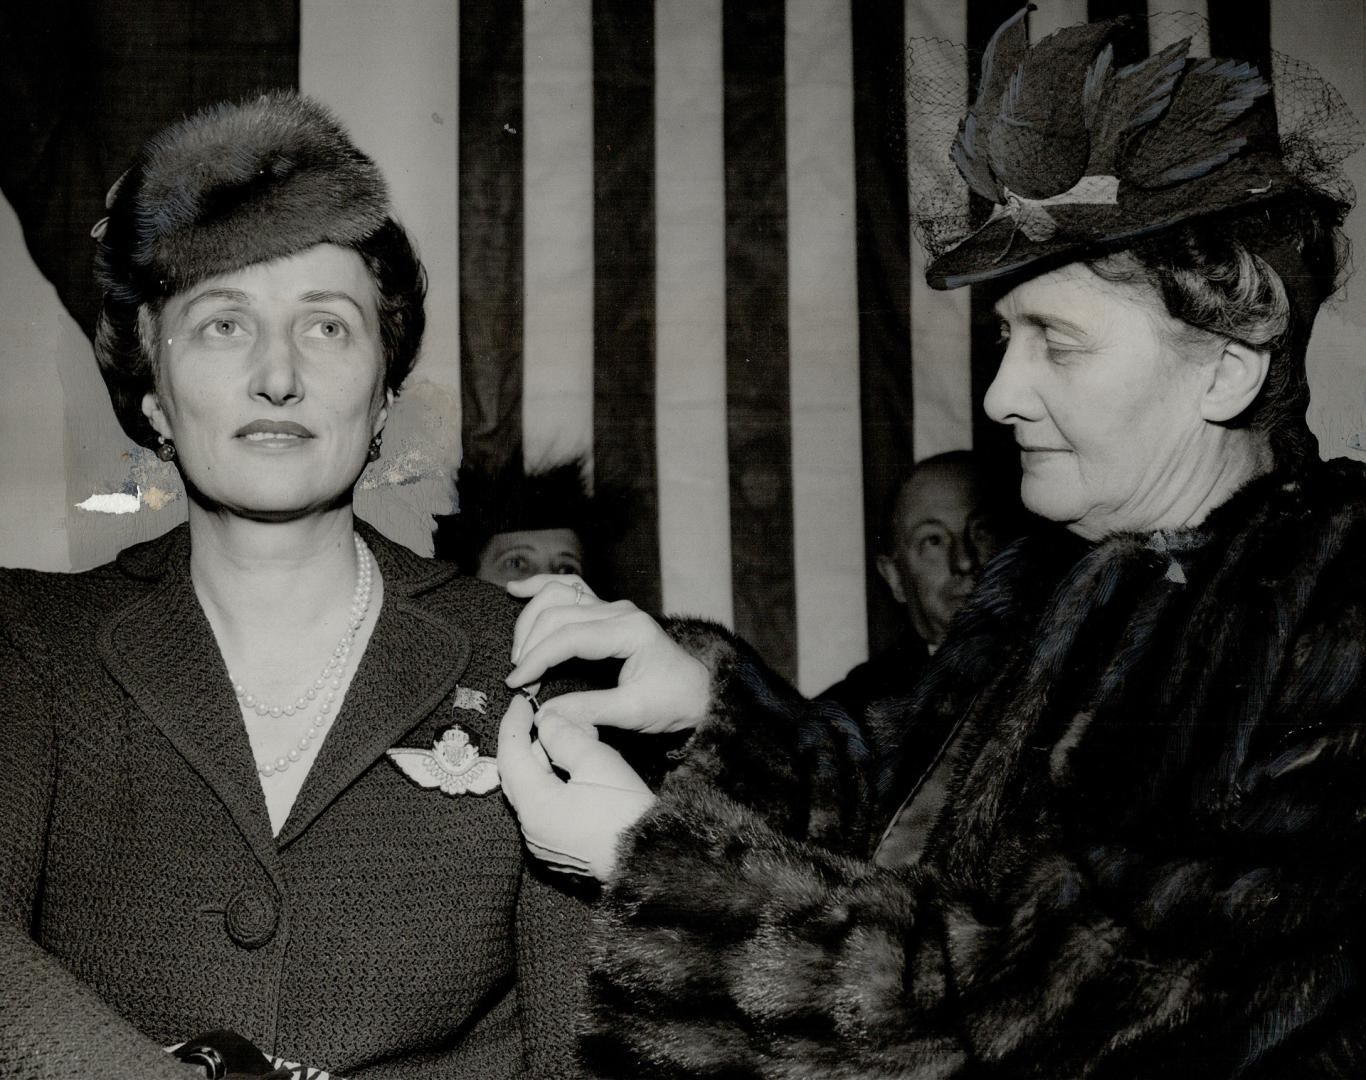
[801, 765]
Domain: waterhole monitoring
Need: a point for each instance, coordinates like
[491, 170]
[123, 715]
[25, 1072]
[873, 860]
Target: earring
[375, 444]
[165, 448]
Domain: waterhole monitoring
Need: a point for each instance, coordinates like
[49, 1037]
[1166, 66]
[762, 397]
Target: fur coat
[1152, 861]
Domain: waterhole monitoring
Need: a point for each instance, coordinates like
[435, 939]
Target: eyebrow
[329, 296]
[520, 548]
[1043, 321]
[236, 296]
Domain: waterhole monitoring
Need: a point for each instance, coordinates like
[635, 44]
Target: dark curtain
[86, 82]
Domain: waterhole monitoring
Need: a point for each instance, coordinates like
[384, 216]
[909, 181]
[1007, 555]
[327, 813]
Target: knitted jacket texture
[388, 931]
[1151, 863]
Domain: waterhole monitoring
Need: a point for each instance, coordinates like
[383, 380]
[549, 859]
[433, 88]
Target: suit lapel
[162, 651]
[411, 663]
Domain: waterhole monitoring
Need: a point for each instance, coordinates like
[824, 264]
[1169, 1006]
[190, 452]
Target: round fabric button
[252, 915]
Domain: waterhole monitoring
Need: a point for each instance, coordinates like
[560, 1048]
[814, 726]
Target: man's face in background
[941, 538]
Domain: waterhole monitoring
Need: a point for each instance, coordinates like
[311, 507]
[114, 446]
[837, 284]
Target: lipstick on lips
[274, 433]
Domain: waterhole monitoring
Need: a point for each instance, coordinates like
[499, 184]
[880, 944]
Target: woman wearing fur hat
[242, 778]
[1150, 863]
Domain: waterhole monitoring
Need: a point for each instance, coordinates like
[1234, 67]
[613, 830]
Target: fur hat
[233, 185]
[1077, 155]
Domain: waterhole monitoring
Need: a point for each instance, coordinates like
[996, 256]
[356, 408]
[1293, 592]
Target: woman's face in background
[515, 555]
[1104, 402]
[271, 382]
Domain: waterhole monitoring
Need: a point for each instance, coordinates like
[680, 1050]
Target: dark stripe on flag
[1131, 45]
[884, 288]
[624, 288]
[87, 84]
[1241, 29]
[491, 228]
[757, 383]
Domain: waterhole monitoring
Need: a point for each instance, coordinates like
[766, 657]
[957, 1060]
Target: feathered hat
[233, 185]
[1076, 155]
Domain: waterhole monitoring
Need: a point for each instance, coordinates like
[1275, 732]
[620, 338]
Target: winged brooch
[453, 764]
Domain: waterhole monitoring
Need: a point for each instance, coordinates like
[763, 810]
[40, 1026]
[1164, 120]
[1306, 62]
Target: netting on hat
[1057, 135]
[1318, 129]
[936, 99]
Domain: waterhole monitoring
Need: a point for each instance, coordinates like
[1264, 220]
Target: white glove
[660, 688]
[575, 825]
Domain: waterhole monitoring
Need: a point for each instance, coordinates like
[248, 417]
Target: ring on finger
[578, 593]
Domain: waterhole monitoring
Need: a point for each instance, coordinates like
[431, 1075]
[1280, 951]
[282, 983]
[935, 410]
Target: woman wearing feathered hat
[1150, 859]
[243, 785]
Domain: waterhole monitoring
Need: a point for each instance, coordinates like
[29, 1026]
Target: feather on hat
[1078, 156]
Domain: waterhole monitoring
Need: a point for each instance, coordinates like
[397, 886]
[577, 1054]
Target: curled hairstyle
[126, 339]
[1256, 276]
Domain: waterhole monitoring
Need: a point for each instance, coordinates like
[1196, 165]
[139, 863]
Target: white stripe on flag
[1164, 32]
[1053, 15]
[38, 413]
[401, 106]
[690, 311]
[824, 344]
[557, 137]
[1332, 38]
[941, 371]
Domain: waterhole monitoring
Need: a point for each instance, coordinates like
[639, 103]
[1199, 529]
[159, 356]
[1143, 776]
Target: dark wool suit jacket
[1152, 861]
[388, 931]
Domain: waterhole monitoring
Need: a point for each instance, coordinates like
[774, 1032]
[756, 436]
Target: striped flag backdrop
[672, 235]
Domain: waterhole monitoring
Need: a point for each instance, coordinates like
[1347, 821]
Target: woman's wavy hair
[1256, 276]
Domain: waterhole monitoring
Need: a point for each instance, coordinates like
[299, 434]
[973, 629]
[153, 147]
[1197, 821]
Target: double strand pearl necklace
[329, 681]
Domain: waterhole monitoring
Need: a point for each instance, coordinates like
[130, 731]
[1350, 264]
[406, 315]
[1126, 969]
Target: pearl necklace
[329, 681]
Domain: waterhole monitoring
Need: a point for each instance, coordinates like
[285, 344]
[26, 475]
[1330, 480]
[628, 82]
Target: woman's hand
[661, 688]
[572, 825]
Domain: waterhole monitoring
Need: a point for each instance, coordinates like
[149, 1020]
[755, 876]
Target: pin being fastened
[529, 693]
